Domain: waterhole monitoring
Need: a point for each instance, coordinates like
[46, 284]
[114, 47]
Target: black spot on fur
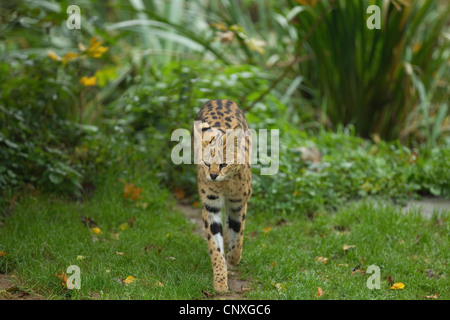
[212, 197]
[216, 228]
[234, 225]
[236, 210]
[212, 209]
[203, 191]
[228, 119]
[235, 200]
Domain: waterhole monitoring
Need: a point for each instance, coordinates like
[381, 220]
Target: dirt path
[10, 291]
[237, 287]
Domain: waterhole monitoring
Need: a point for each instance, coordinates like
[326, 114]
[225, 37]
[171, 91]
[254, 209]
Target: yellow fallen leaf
[96, 230]
[398, 285]
[123, 226]
[129, 280]
[347, 247]
[267, 230]
[434, 296]
[158, 284]
[2, 253]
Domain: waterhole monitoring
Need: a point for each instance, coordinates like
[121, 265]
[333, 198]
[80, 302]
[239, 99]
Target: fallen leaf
[63, 277]
[129, 280]
[398, 285]
[96, 230]
[158, 284]
[123, 226]
[142, 205]
[131, 221]
[279, 286]
[322, 259]
[267, 230]
[347, 247]
[152, 246]
[88, 222]
[430, 273]
[130, 191]
[434, 296]
[207, 294]
[178, 193]
[320, 292]
[115, 236]
[196, 204]
[391, 281]
[2, 253]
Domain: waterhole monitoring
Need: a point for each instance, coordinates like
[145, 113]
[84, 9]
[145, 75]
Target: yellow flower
[88, 81]
[53, 56]
[69, 56]
[95, 49]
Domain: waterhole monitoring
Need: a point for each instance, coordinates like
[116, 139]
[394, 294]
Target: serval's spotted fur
[223, 183]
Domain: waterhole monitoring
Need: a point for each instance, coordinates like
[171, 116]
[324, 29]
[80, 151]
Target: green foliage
[150, 110]
[383, 81]
[350, 168]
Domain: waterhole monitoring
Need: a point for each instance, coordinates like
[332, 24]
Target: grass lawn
[285, 257]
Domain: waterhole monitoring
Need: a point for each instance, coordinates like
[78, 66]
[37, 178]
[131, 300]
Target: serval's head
[222, 152]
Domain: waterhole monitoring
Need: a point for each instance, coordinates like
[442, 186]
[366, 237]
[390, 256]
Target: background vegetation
[86, 112]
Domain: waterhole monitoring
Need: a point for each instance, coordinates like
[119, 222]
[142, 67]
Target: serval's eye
[223, 165]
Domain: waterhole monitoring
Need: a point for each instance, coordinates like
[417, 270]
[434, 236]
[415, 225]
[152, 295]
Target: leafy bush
[350, 168]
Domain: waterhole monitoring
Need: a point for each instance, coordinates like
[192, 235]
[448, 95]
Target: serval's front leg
[236, 212]
[212, 217]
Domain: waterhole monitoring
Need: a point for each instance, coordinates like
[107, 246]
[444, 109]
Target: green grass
[404, 246]
[45, 234]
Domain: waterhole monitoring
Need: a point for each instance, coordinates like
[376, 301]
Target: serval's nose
[213, 176]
